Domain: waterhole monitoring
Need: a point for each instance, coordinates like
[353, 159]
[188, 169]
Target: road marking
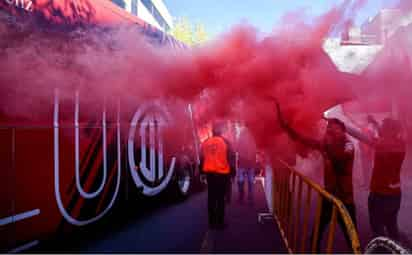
[24, 247]
[18, 217]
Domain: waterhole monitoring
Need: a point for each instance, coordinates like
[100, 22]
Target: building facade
[153, 12]
[383, 25]
[358, 46]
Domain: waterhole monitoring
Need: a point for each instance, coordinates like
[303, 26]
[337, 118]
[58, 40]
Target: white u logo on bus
[83, 193]
[148, 122]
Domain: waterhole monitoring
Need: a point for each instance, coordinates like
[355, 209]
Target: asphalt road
[179, 227]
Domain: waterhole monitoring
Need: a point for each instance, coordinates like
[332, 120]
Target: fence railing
[292, 212]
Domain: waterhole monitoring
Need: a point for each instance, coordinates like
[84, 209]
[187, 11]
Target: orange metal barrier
[289, 202]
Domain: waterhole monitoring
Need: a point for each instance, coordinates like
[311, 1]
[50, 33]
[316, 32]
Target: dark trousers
[326, 217]
[229, 191]
[245, 174]
[217, 188]
[383, 213]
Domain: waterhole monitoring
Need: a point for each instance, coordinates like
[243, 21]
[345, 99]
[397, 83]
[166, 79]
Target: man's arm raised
[295, 135]
[362, 136]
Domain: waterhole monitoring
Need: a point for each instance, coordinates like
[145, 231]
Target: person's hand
[349, 147]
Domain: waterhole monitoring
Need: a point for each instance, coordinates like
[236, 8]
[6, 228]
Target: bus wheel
[184, 182]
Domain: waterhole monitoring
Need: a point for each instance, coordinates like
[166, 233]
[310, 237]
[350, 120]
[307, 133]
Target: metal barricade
[292, 210]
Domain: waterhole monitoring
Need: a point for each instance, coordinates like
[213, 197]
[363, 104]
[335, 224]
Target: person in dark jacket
[217, 162]
[338, 156]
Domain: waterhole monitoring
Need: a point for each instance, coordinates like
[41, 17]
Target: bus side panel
[7, 178]
[72, 12]
[34, 184]
[37, 194]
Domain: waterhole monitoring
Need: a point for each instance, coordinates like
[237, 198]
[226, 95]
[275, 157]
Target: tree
[192, 35]
[200, 35]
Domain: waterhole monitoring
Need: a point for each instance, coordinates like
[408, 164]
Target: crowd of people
[383, 144]
[385, 148]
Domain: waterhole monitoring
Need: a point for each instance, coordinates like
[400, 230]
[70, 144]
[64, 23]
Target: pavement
[181, 227]
[244, 233]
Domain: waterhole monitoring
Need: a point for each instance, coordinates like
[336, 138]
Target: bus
[67, 169]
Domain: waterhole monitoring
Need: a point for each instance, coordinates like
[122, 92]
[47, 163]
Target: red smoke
[238, 74]
[405, 5]
[385, 85]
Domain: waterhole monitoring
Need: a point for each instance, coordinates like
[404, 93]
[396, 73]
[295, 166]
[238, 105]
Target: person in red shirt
[217, 162]
[385, 187]
[338, 155]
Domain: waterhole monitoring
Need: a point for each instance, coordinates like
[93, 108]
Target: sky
[220, 15]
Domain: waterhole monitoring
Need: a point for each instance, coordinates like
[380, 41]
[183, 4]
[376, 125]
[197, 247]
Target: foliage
[189, 33]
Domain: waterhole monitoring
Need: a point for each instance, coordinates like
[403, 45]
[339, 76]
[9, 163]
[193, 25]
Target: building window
[156, 14]
[134, 7]
[120, 3]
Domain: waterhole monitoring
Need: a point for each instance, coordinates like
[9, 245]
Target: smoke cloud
[237, 75]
